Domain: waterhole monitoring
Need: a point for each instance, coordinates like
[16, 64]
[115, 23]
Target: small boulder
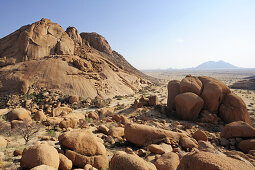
[40, 154]
[17, 153]
[73, 99]
[200, 135]
[40, 116]
[117, 132]
[103, 129]
[188, 105]
[168, 161]
[247, 145]
[93, 115]
[153, 100]
[69, 123]
[124, 161]
[61, 111]
[19, 114]
[233, 109]
[238, 129]
[64, 162]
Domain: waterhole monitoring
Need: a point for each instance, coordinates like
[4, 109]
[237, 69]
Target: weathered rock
[3, 142]
[153, 100]
[74, 35]
[188, 143]
[17, 153]
[191, 84]
[157, 149]
[64, 162]
[124, 161]
[150, 135]
[213, 93]
[168, 161]
[96, 41]
[19, 114]
[200, 135]
[188, 105]
[247, 145]
[117, 132]
[40, 154]
[210, 161]
[73, 99]
[69, 123]
[53, 121]
[40, 116]
[233, 109]
[80, 160]
[61, 111]
[42, 38]
[93, 115]
[173, 88]
[103, 129]
[84, 148]
[160, 149]
[238, 129]
[43, 167]
[105, 111]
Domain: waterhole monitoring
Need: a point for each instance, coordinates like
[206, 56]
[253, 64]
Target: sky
[151, 34]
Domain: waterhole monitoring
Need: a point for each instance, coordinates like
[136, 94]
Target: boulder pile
[192, 95]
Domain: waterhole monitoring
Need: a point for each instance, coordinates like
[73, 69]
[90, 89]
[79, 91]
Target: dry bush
[27, 130]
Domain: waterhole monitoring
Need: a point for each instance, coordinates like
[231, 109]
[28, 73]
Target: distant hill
[212, 65]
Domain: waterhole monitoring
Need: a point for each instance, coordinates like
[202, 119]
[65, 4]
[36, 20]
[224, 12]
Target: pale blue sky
[151, 34]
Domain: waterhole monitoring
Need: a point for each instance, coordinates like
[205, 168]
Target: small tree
[27, 129]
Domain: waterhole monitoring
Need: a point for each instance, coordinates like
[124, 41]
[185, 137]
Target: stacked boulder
[82, 147]
[192, 95]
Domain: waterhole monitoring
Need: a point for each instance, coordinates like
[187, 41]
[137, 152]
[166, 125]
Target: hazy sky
[148, 33]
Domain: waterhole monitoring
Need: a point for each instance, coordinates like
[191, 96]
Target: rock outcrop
[208, 95]
[44, 55]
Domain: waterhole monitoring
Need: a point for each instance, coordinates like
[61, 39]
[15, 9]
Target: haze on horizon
[152, 34]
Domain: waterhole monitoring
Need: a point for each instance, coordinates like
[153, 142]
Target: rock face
[173, 90]
[40, 154]
[42, 38]
[188, 105]
[210, 161]
[83, 148]
[124, 161]
[238, 129]
[96, 41]
[43, 54]
[191, 84]
[233, 109]
[74, 35]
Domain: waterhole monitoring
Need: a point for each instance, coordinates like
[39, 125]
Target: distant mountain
[212, 65]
